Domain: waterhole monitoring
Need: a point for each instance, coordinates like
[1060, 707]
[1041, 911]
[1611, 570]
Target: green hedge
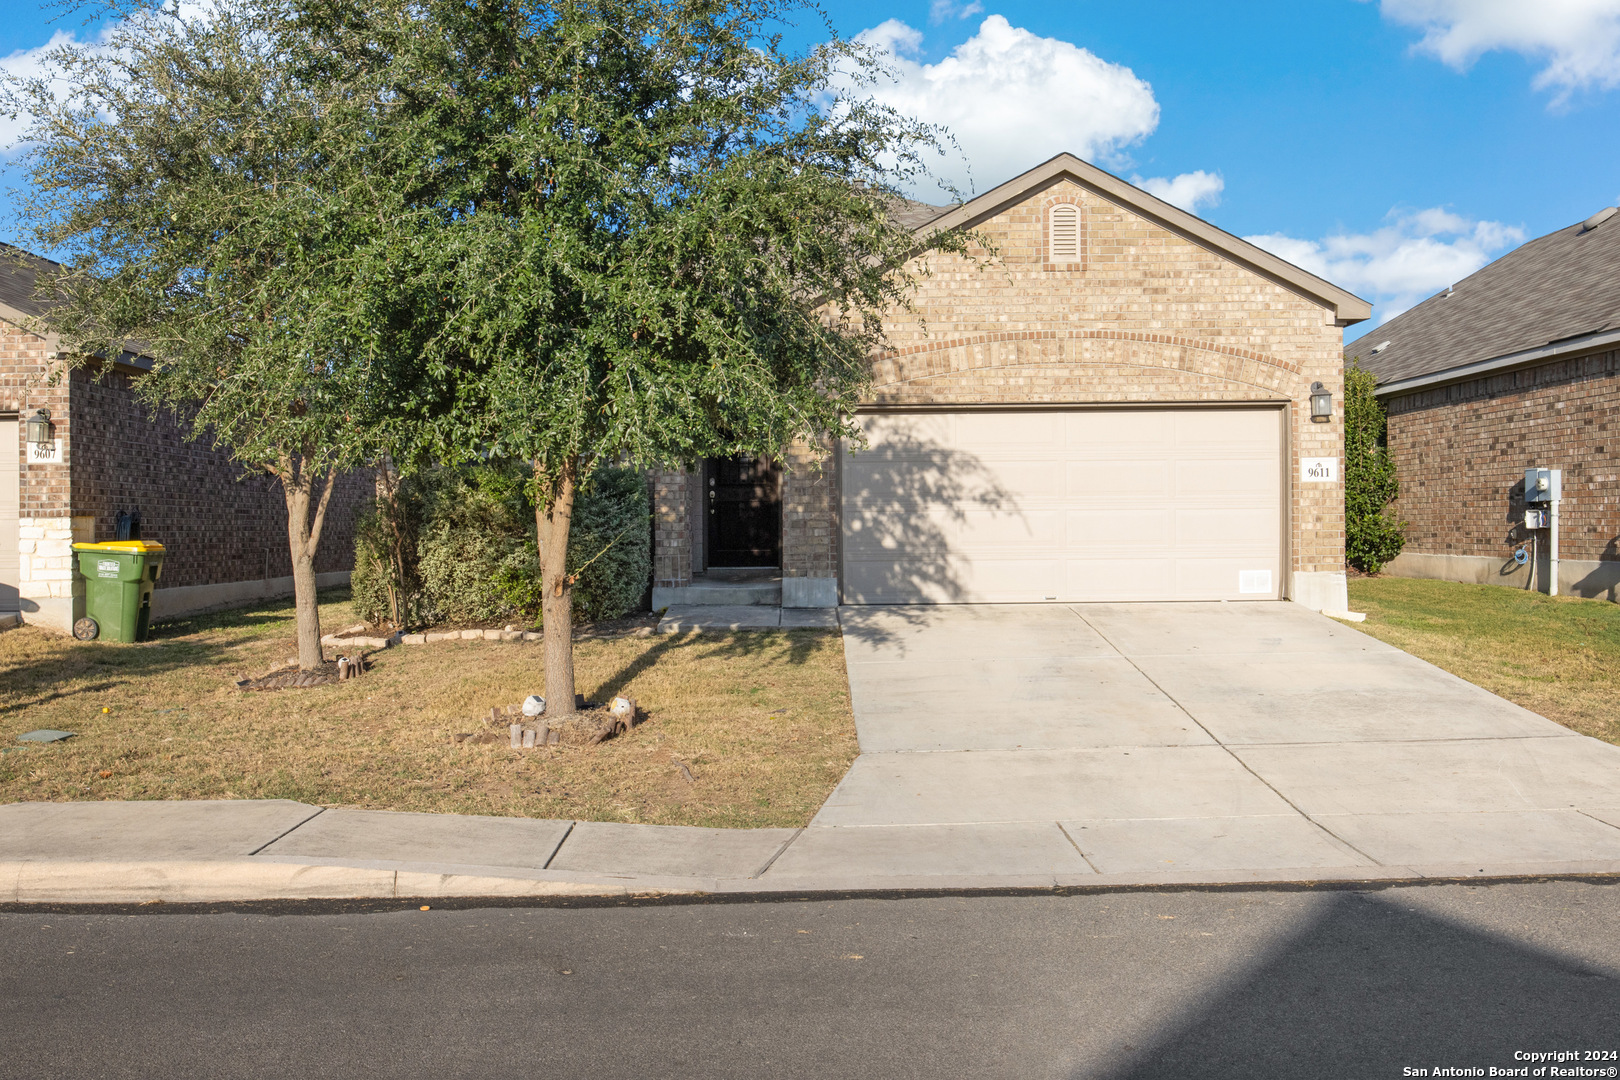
[1371, 539]
[472, 554]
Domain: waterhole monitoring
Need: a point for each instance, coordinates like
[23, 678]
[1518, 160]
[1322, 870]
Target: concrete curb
[174, 881]
[270, 878]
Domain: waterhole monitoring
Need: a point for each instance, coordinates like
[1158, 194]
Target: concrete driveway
[1194, 740]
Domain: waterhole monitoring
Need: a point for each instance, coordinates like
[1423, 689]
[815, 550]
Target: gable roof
[1556, 294]
[19, 273]
[1347, 307]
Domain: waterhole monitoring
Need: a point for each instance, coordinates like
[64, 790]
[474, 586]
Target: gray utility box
[1543, 485]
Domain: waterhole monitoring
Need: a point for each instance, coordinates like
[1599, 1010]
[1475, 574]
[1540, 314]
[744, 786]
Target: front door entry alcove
[744, 512]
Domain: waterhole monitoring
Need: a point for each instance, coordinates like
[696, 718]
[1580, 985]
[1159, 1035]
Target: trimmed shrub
[1371, 539]
[610, 544]
[471, 547]
[609, 548]
[385, 586]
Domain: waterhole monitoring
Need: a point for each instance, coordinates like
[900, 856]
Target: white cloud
[1416, 254]
[1577, 40]
[26, 64]
[1013, 99]
[940, 10]
[1188, 191]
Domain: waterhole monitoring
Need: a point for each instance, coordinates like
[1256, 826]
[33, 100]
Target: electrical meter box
[1543, 485]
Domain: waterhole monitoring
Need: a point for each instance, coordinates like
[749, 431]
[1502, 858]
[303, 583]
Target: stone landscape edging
[429, 638]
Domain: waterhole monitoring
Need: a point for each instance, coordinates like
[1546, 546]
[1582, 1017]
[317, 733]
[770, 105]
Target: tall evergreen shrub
[1371, 538]
[471, 550]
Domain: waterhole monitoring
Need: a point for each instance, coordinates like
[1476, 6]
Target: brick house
[1515, 367]
[1116, 406]
[225, 530]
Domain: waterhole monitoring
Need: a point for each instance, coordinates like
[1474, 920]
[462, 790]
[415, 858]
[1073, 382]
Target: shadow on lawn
[40, 680]
[54, 675]
[788, 646]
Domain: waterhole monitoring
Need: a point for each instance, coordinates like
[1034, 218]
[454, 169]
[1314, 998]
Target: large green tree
[230, 209]
[660, 234]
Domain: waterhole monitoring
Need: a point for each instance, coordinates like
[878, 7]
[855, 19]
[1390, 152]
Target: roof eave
[1497, 365]
[1346, 306]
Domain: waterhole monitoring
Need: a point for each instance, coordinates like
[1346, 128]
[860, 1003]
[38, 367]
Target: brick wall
[1145, 316]
[1461, 451]
[24, 387]
[672, 532]
[45, 531]
[1142, 315]
[219, 525]
[809, 513]
[219, 521]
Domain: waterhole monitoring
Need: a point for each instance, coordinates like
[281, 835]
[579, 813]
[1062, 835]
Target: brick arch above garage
[1078, 366]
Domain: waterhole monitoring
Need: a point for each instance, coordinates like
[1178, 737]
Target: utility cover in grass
[44, 735]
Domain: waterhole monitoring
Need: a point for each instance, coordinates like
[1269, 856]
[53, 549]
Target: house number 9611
[1319, 470]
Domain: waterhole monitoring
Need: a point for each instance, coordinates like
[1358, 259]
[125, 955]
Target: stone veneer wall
[1461, 451]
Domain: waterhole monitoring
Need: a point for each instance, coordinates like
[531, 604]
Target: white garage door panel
[1133, 481]
[1004, 507]
[1226, 473]
[1124, 529]
[1226, 532]
[1127, 579]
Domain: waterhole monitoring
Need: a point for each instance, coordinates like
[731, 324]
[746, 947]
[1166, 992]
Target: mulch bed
[587, 726]
[294, 678]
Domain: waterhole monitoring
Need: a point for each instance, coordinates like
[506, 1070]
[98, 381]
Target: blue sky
[1392, 146]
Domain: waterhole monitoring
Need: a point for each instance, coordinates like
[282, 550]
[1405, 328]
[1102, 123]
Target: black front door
[745, 512]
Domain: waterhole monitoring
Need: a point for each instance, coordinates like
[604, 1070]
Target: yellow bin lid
[127, 547]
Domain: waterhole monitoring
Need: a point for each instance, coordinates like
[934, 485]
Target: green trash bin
[119, 576]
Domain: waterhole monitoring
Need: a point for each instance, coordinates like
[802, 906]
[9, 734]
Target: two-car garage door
[1083, 504]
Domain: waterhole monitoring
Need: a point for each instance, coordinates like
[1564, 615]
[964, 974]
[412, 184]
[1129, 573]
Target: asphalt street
[1219, 983]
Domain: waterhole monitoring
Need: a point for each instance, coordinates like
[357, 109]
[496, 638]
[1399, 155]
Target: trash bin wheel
[87, 629]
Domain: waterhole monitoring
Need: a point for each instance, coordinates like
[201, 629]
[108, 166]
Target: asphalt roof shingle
[1562, 285]
[19, 272]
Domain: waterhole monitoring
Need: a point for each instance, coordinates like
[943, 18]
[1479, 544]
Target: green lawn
[1559, 657]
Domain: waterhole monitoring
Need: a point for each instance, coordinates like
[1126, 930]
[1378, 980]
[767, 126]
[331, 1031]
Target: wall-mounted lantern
[39, 427]
[1321, 404]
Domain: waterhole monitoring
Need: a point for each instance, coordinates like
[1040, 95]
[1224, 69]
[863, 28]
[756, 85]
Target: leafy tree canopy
[221, 213]
[660, 235]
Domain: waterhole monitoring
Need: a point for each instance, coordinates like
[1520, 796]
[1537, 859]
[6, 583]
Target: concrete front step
[720, 594]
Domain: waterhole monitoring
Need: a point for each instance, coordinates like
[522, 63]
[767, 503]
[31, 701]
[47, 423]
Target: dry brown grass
[1559, 657]
[761, 719]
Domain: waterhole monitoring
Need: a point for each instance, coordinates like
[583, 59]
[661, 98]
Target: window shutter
[1065, 233]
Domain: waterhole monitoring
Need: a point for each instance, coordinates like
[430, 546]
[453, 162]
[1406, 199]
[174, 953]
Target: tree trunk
[388, 494]
[553, 512]
[303, 540]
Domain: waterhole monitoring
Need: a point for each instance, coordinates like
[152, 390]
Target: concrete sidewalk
[1002, 747]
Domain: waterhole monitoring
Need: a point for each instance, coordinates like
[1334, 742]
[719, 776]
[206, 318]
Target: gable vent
[1065, 233]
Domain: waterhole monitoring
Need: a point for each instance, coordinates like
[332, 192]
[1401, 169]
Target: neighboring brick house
[1115, 406]
[224, 529]
[1515, 367]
